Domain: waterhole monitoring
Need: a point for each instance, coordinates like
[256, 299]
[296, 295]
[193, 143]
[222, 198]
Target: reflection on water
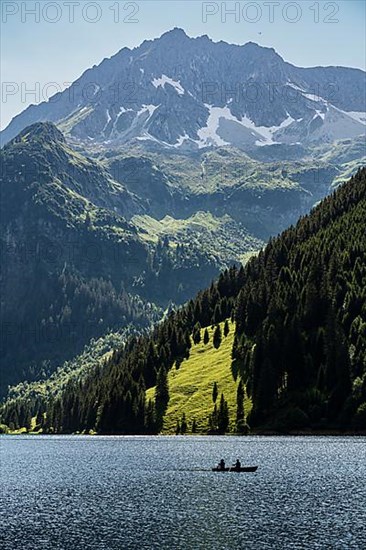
[116, 493]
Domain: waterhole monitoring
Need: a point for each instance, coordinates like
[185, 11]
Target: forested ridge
[299, 347]
[301, 319]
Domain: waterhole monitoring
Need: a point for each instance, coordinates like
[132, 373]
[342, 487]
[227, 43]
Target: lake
[104, 493]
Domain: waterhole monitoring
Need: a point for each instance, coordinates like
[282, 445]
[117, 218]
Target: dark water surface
[102, 493]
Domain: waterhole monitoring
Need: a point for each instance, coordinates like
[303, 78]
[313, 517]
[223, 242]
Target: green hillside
[299, 344]
[190, 386]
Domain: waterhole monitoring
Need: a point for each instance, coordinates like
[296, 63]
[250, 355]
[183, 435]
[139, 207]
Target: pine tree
[210, 428]
[194, 426]
[183, 424]
[150, 418]
[27, 421]
[217, 317]
[206, 337]
[212, 420]
[161, 396]
[223, 416]
[177, 428]
[226, 328]
[217, 337]
[196, 335]
[39, 419]
[214, 392]
[240, 419]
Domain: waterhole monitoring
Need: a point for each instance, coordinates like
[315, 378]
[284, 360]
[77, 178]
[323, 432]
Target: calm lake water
[80, 493]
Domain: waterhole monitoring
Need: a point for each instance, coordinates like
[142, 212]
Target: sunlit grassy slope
[218, 236]
[190, 387]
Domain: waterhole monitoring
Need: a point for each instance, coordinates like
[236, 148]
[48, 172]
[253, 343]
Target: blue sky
[54, 42]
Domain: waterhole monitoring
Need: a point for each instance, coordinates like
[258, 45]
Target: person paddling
[222, 464]
[238, 464]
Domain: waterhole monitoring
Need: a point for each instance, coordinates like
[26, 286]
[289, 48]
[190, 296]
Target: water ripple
[116, 493]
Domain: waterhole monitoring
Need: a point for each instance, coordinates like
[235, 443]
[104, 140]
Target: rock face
[190, 93]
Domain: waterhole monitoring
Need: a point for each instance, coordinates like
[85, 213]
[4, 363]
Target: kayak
[234, 469]
[244, 469]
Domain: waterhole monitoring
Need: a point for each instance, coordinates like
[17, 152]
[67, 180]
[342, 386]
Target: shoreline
[264, 433]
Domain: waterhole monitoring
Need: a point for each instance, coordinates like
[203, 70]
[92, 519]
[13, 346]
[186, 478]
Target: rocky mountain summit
[191, 93]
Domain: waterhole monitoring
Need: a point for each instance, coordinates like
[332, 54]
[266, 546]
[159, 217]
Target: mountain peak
[46, 131]
[176, 34]
[169, 109]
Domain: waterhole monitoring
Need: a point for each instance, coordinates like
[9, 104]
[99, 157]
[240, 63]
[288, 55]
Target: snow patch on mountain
[181, 140]
[357, 115]
[163, 80]
[321, 114]
[310, 96]
[315, 98]
[267, 133]
[258, 135]
[208, 134]
[147, 109]
[108, 121]
[336, 124]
